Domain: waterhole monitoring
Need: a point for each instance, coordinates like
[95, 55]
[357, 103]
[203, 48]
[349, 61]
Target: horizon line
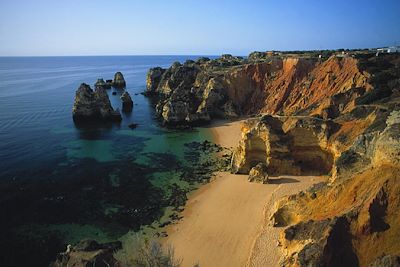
[148, 55]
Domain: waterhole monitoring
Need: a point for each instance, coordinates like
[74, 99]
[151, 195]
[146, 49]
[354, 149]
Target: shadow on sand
[282, 180]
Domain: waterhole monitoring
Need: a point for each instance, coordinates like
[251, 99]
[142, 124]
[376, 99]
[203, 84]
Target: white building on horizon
[390, 49]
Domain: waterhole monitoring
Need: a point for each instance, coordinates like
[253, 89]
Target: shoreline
[225, 222]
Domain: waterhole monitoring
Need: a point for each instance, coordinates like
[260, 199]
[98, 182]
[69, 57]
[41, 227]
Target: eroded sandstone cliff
[337, 116]
[348, 129]
[294, 145]
[229, 86]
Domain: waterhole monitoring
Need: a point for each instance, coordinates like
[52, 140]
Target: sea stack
[92, 105]
[127, 103]
[119, 81]
[102, 84]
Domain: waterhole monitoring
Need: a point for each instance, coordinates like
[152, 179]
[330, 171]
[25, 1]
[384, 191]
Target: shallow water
[60, 183]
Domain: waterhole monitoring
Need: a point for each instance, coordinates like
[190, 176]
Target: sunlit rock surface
[92, 105]
[119, 81]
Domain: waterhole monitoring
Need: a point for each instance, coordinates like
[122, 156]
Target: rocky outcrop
[127, 103]
[265, 83]
[119, 81]
[189, 93]
[109, 83]
[386, 261]
[153, 79]
[352, 219]
[102, 84]
[258, 174]
[92, 105]
[89, 253]
[365, 194]
[287, 145]
[320, 243]
[336, 116]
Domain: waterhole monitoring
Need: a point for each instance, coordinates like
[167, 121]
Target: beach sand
[225, 223]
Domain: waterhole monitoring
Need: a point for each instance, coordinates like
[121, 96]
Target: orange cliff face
[206, 89]
[353, 219]
[339, 117]
[292, 85]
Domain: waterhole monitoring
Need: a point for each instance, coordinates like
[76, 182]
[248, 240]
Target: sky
[193, 27]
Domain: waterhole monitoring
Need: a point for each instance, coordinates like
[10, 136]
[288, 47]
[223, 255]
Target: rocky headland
[228, 87]
[335, 116]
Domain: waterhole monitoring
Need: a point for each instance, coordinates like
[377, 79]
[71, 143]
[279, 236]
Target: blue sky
[123, 27]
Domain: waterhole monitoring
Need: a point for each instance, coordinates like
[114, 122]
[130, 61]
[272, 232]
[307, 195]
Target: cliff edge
[337, 116]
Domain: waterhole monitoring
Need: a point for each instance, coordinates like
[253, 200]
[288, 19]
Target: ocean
[60, 183]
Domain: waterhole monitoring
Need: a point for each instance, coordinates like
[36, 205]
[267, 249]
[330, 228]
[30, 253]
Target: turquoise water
[60, 183]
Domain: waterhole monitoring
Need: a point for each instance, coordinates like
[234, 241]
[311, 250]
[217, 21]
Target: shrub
[139, 252]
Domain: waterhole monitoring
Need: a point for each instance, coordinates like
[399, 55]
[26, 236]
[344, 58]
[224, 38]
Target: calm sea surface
[60, 183]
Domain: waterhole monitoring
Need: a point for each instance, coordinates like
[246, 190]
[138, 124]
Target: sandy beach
[225, 223]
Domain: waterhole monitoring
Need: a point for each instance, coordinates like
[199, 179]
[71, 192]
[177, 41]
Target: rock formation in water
[92, 105]
[100, 83]
[191, 92]
[119, 81]
[89, 253]
[127, 103]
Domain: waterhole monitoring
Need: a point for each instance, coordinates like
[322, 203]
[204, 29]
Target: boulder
[127, 103]
[257, 56]
[92, 105]
[133, 125]
[102, 84]
[119, 81]
[109, 83]
[259, 174]
[202, 60]
[89, 253]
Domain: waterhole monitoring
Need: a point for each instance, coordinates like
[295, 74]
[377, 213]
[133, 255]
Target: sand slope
[224, 221]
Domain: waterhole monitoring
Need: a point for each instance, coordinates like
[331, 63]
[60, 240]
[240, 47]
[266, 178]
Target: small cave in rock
[257, 151]
[308, 155]
[339, 249]
[377, 212]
